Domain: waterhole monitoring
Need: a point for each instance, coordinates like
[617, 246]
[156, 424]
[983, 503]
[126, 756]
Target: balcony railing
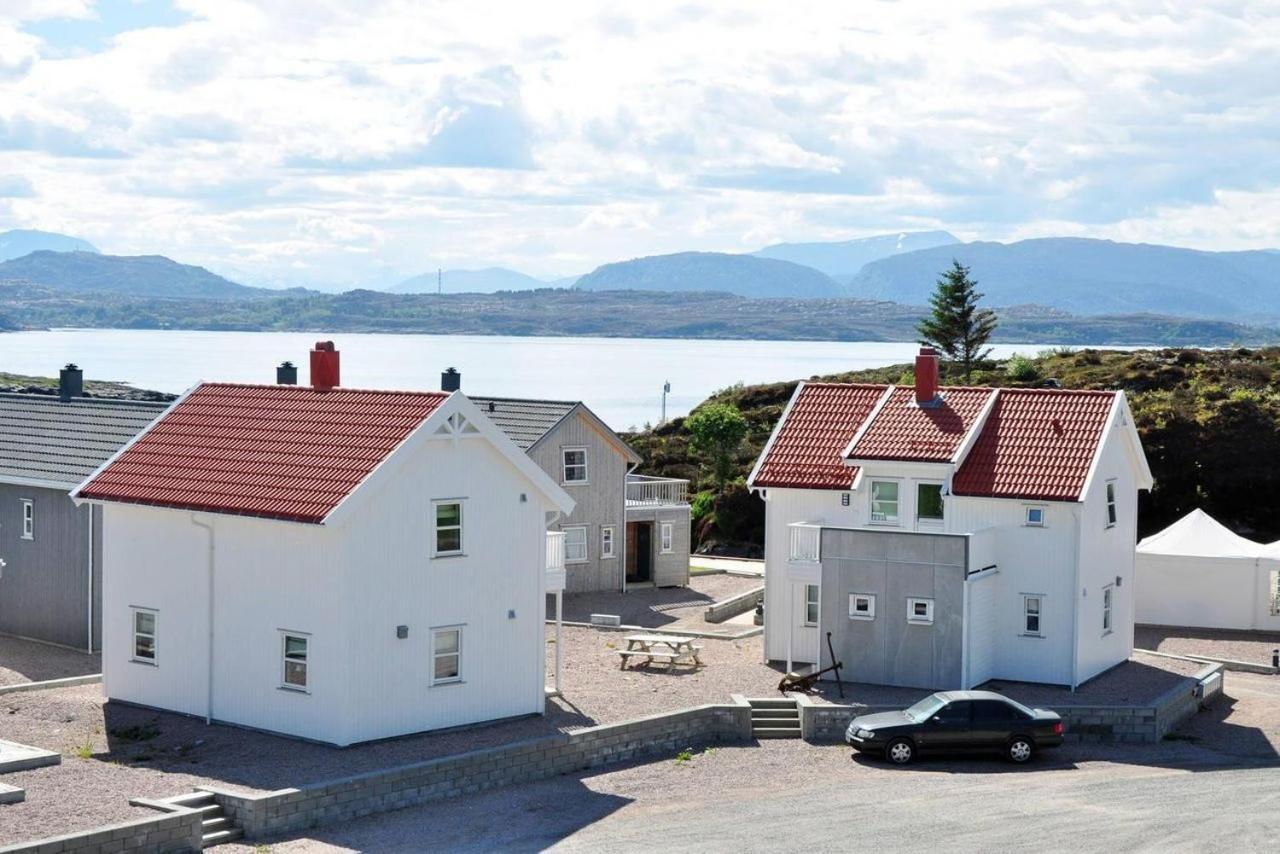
[644, 491]
[806, 542]
[555, 551]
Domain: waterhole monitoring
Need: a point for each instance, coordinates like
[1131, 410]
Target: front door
[640, 555]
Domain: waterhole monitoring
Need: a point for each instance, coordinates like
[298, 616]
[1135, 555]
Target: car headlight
[865, 733]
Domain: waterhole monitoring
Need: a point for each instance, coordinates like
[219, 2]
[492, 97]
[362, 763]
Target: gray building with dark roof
[50, 549]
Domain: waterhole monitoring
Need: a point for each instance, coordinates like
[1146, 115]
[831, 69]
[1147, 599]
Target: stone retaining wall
[720, 611]
[1146, 723]
[178, 831]
[536, 759]
[67, 682]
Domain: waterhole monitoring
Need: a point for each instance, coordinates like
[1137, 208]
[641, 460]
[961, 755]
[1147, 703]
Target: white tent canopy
[1198, 534]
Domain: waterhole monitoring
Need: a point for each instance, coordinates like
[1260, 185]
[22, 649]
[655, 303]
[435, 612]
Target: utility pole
[666, 389]
[439, 281]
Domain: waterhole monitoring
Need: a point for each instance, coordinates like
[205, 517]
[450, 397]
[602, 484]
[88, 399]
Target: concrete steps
[216, 826]
[774, 718]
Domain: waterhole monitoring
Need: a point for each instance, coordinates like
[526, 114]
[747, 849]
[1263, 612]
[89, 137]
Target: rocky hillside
[1209, 420]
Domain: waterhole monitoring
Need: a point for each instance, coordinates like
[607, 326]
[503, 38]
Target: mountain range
[22, 241]
[485, 281]
[129, 275]
[744, 275]
[842, 259]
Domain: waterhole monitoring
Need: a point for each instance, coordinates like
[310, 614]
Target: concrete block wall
[380, 791]
[174, 832]
[733, 606]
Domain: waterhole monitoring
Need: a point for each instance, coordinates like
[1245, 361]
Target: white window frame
[1113, 513]
[565, 466]
[436, 503]
[920, 620]
[436, 654]
[1027, 613]
[814, 603]
[608, 542]
[930, 520]
[855, 614]
[586, 552]
[286, 660]
[154, 634]
[1035, 508]
[28, 518]
[666, 538]
[896, 519]
[1108, 609]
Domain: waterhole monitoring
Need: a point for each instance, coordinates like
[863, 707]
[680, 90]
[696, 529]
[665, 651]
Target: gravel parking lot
[30, 661]
[1254, 647]
[116, 752]
[670, 608]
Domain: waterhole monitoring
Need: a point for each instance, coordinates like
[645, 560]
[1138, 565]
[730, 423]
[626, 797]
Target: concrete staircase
[217, 825]
[774, 718]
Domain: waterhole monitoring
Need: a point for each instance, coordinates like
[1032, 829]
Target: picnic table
[672, 649]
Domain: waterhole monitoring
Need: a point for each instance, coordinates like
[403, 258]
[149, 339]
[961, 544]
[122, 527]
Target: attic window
[1111, 504]
[1035, 517]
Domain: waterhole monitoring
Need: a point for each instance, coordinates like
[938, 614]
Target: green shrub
[1021, 369]
[702, 504]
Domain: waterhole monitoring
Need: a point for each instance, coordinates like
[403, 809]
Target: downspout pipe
[211, 555]
[88, 643]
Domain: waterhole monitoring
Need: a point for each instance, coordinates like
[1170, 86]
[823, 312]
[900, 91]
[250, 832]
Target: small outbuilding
[1199, 573]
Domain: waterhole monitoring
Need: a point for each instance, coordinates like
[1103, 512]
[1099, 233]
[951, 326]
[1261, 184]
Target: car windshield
[926, 708]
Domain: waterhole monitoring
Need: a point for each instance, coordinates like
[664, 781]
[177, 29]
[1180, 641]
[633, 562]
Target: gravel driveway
[1253, 647]
[29, 661]
[678, 608]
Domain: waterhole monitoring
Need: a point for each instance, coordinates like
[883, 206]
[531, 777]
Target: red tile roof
[1037, 444]
[901, 430]
[282, 452]
[806, 452]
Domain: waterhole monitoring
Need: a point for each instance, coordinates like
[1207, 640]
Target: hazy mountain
[843, 259]
[23, 241]
[745, 275]
[132, 275]
[1086, 276]
[487, 281]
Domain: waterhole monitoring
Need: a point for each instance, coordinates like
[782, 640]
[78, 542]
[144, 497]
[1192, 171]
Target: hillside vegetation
[1209, 421]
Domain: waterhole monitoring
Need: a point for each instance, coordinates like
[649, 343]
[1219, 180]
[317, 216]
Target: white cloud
[319, 141]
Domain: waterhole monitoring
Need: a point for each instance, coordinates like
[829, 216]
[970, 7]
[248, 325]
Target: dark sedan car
[956, 722]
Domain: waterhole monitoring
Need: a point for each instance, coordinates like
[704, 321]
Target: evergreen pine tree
[956, 325]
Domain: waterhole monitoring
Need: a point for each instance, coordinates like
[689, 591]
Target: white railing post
[806, 542]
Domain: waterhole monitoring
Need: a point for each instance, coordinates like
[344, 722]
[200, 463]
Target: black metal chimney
[70, 383]
[287, 374]
[451, 380]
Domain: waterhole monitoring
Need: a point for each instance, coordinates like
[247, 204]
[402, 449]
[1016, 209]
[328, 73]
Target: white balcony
[804, 552]
[555, 561]
[644, 491]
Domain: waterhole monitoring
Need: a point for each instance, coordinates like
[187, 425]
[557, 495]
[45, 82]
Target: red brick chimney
[927, 377]
[324, 366]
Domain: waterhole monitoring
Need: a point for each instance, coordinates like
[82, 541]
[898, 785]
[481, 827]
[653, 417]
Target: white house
[328, 563]
[1198, 573]
[947, 536]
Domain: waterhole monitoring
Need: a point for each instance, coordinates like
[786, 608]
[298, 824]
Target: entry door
[642, 548]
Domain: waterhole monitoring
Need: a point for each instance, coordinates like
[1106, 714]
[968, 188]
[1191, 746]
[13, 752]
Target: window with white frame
[575, 465]
[293, 648]
[1031, 605]
[928, 502]
[920, 611]
[667, 534]
[812, 596]
[447, 519]
[884, 501]
[1035, 516]
[144, 635]
[1107, 596]
[1111, 504]
[575, 544]
[607, 549]
[862, 606]
[446, 655]
[28, 519]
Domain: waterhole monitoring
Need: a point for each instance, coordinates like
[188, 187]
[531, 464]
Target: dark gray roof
[524, 421]
[44, 439]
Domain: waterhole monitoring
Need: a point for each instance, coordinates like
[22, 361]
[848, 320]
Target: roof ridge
[306, 388]
[94, 401]
[523, 399]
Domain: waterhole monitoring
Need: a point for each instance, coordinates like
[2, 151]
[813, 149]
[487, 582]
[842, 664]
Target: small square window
[1035, 517]
[28, 519]
[295, 662]
[446, 655]
[844, 499]
[920, 611]
[1031, 615]
[448, 528]
[144, 635]
[606, 542]
[575, 544]
[812, 596]
[575, 465]
[862, 606]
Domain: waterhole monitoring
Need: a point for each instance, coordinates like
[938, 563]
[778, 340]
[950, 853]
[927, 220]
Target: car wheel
[1020, 749]
[900, 751]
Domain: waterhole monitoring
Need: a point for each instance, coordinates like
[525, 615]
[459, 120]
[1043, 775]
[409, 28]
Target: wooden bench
[680, 649]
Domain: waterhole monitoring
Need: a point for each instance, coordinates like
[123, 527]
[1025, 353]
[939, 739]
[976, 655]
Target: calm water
[620, 378]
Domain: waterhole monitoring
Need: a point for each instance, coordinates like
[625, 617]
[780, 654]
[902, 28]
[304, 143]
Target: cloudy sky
[356, 143]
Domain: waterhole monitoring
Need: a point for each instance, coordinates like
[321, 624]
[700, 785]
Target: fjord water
[620, 378]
